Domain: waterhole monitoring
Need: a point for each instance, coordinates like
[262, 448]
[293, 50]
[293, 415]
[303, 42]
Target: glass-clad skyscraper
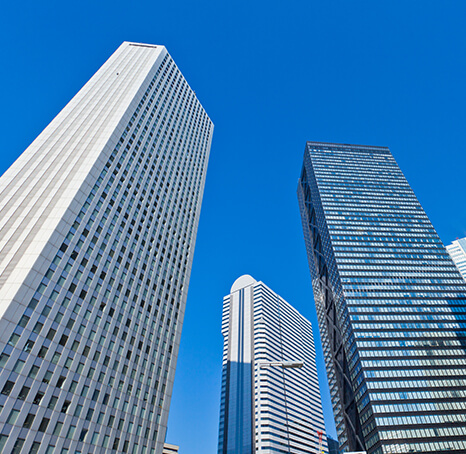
[266, 406]
[391, 304]
[98, 219]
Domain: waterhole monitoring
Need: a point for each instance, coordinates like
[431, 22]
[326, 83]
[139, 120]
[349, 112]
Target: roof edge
[333, 144]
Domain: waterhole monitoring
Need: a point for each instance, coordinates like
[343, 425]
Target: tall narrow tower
[391, 304]
[98, 220]
[268, 403]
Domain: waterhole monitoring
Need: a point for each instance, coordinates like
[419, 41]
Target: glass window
[13, 416]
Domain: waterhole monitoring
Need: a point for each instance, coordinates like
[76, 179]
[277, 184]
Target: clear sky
[271, 75]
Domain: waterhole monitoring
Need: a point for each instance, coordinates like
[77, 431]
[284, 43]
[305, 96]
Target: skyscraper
[391, 304]
[457, 251]
[268, 405]
[98, 220]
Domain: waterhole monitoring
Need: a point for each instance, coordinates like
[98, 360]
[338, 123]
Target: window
[53, 402]
[57, 429]
[65, 406]
[7, 388]
[38, 398]
[71, 431]
[83, 435]
[17, 446]
[3, 359]
[13, 339]
[13, 416]
[90, 412]
[60, 381]
[18, 366]
[38, 326]
[43, 425]
[47, 376]
[28, 346]
[23, 393]
[33, 372]
[55, 358]
[28, 421]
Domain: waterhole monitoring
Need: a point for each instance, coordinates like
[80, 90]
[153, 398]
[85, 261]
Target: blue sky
[271, 74]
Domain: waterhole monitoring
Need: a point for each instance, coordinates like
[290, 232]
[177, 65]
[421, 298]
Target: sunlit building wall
[267, 409]
[98, 220]
[457, 251]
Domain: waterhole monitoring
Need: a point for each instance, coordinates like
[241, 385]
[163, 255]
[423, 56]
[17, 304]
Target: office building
[333, 447]
[268, 403]
[170, 449]
[457, 251]
[391, 304]
[98, 221]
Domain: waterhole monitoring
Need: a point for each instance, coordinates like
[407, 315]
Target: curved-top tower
[268, 403]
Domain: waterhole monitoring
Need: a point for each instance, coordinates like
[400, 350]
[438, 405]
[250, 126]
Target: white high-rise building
[457, 251]
[269, 403]
[98, 220]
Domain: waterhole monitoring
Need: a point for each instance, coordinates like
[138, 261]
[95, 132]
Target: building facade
[457, 251]
[98, 220]
[333, 447]
[391, 304]
[265, 407]
[170, 449]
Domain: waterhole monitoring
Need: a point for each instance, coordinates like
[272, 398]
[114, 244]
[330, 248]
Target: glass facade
[97, 230]
[391, 304]
[266, 408]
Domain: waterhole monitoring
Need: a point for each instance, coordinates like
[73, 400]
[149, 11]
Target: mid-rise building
[98, 220]
[269, 403]
[457, 251]
[391, 304]
[170, 449]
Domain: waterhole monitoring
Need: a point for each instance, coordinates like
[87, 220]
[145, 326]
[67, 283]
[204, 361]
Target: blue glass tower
[391, 304]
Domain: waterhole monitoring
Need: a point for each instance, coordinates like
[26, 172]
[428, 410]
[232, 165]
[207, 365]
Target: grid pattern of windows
[390, 301]
[277, 410]
[89, 364]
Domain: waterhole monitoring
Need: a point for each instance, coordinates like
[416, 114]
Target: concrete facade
[98, 220]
